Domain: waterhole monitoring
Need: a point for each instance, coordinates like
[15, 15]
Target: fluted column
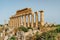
[28, 20]
[11, 22]
[24, 20]
[15, 21]
[19, 21]
[36, 19]
[41, 18]
[32, 24]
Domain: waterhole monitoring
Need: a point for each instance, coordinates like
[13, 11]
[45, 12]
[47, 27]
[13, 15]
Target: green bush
[23, 29]
[30, 28]
[37, 36]
[58, 30]
[12, 38]
[48, 36]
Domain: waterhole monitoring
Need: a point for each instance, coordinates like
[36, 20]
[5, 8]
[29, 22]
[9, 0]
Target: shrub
[30, 28]
[58, 30]
[23, 28]
[12, 38]
[37, 36]
[48, 36]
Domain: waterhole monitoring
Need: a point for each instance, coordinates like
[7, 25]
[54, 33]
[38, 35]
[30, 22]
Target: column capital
[36, 12]
[32, 13]
[41, 11]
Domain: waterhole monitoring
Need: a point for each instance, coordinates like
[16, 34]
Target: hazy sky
[51, 8]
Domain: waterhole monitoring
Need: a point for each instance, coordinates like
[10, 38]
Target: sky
[51, 9]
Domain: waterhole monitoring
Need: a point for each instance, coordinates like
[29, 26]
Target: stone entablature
[25, 11]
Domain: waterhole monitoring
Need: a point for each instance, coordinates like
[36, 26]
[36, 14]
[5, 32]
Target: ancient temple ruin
[20, 18]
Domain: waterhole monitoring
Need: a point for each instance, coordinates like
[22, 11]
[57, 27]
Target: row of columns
[17, 21]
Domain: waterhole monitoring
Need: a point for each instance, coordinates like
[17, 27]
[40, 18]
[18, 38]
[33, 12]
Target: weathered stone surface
[20, 18]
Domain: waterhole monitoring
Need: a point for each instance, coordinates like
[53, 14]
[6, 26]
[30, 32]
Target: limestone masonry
[20, 18]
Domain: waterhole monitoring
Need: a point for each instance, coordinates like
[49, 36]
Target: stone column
[36, 19]
[15, 21]
[41, 18]
[11, 22]
[19, 21]
[24, 20]
[32, 24]
[28, 20]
